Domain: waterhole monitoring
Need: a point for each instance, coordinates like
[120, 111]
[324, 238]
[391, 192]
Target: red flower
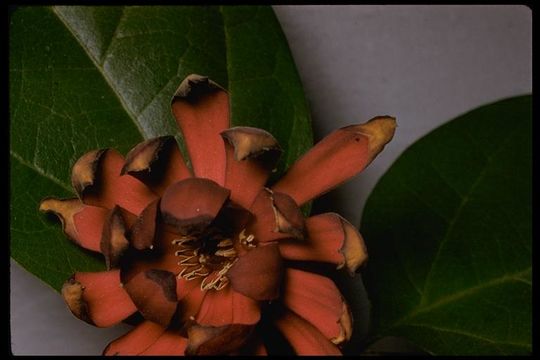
[204, 253]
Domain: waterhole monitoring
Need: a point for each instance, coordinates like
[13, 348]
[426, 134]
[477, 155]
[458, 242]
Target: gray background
[423, 64]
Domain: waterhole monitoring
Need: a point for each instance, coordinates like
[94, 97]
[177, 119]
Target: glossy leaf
[448, 229]
[83, 78]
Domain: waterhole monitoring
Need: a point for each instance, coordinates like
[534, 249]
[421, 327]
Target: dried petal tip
[380, 130]
[354, 249]
[211, 340]
[195, 87]
[113, 240]
[288, 216]
[251, 142]
[141, 158]
[64, 210]
[72, 292]
[84, 171]
[345, 326]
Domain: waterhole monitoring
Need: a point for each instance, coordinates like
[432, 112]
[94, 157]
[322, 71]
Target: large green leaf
[83, 78]
[448, 229]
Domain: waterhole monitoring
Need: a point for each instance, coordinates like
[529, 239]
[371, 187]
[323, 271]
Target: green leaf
[83, 78]
[448, 229]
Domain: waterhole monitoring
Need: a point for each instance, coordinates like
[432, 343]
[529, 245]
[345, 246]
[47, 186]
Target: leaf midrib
[103, 73]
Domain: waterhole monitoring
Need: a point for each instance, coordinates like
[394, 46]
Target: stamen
[225, 243]
[226, 253]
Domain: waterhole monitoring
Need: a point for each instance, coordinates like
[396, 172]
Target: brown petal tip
[345, 325]
[194, 88]
[141, 158]
[212, 340]
[354, 249]
[113, 240]
[380, 130]
[249, 142]
[64, 210]
[84, 171]
[72, 292]
[288, 216]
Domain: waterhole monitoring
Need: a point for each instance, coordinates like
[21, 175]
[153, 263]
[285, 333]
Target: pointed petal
[251, 155]
[225, 307]
[192, 204]
[258, 273]
[276, 217]
[330, 238]
[317, 299]
[154, 294]
[96, 178]
[201, 109]
[303, 337]
[113, 239]
[220, 340]
[143, 231]
[135, 341]
[336, 158]
[98, 298]
[81, 223]
[157, 163]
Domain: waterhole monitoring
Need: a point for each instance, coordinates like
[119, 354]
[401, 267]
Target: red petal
[96, 177]
[154, 294]
[276, 217]
[157, 162]
[303, 337]
[190, 298]
[330, 238]
[335, 159]
[135, 341]
[226, 307]
[221, 340]
[192, 204]
[169, 343]
[201, 109]
[98, 298]
[258, 273]
[113, 239]
[317, 299]
[82, 224]
[251, 155]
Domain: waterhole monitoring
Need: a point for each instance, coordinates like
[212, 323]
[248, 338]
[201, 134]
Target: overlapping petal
[200, 252]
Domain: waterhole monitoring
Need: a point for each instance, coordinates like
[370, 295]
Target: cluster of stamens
[197, 262]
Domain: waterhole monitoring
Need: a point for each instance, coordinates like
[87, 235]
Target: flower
[209, 255]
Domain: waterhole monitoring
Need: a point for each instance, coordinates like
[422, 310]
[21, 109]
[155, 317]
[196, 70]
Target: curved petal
[303, 337]
[143, 231]
[98, 298]
[220, 340]
[147, 338]
[336, 158]
[96, 178]
[169, 343]
[192, 204]
[225, 307]
[135, 341]
[154, 293]
[251, 155]
[330, 238]
[317, 299]
[201, 109]
[276, 217]
[157, 163]
[258, 273]
[81, 223]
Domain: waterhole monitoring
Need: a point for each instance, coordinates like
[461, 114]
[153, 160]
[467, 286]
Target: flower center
[210, 255]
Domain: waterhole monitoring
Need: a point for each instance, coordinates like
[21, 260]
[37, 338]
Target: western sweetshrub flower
[202, 253]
